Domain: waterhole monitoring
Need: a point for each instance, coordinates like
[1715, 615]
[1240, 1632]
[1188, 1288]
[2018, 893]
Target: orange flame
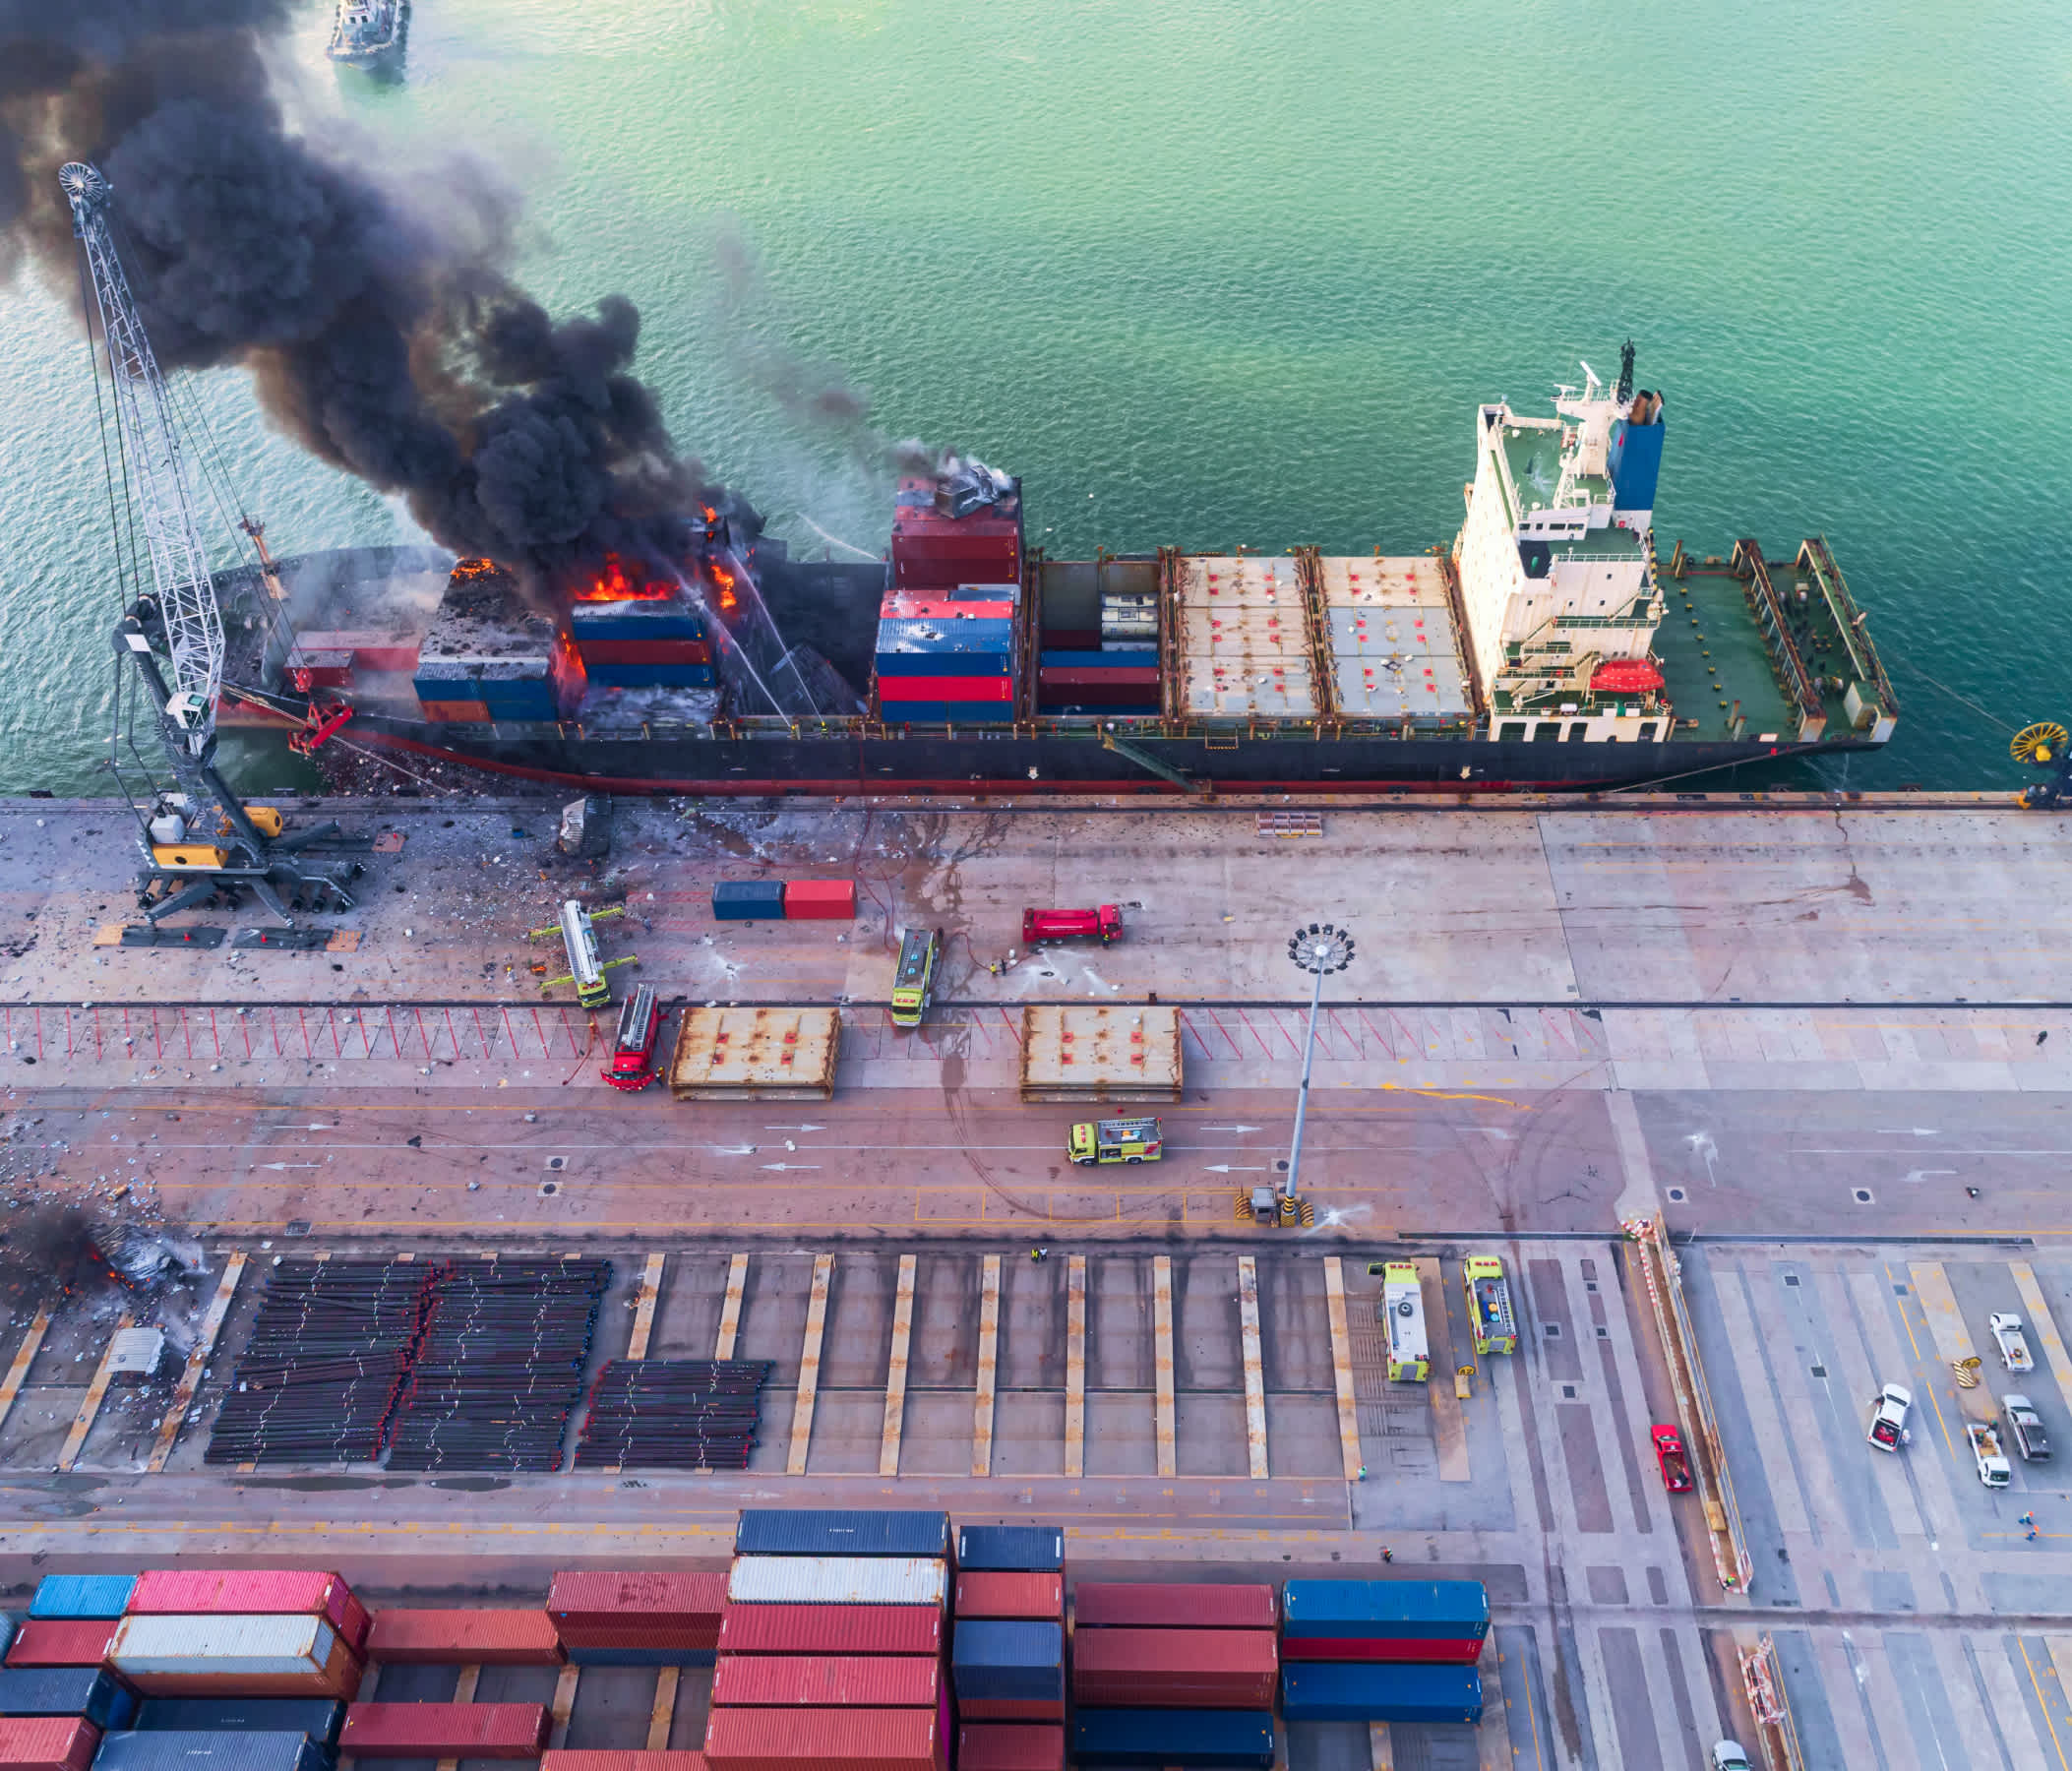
[723, 582]
[612, 583]
[474, 569]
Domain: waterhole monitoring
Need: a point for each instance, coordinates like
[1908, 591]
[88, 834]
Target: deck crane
[198, 839]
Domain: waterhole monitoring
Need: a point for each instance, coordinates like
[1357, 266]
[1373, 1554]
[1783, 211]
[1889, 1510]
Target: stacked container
[747, 900]
[1394, 654]
[1245, 638]
[487, 656]
[950, 657]
[82, 1596]
[445, 1731]
[240, 1655]
[1100, 641]
[819, 901]
[62, 1642]
[252, 1592]
[948, 531]
[319, 1719]
[89, 1691]
[169, 1750]
[458, 1639]
[1014, 1575]
[1383, 1650]
[47, 1743]
[1201, 1659]
[644, 1617]
[642, 643]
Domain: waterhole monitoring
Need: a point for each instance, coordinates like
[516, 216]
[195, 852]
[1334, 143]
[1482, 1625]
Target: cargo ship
[1549, 647]
[367, 33]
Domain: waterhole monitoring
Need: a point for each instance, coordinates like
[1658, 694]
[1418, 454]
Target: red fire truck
[632, 1048]
[1105, 923]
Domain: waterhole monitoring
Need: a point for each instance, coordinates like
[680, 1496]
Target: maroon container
[832, 1630]
[483, 1638]
[1088, 676]
[607, 653]
[47, 1743]
[1175, 1669]
[989, 1594]
[1458, 1651]
[434, 1730]
[594, 1608]
[63, 1643]
[289, 1592]
[827, 1681]
[1011, 1709]
[829, 1739]
[606, 1760]
[1098, 1604]
[1006, 1747]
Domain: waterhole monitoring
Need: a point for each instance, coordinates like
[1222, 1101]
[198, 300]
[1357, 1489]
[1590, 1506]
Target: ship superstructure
[364, 32]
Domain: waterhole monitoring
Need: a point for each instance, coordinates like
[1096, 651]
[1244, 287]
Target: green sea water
[1210, 274]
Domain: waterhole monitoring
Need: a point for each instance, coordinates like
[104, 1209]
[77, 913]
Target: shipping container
[595, 1759]
[62, 1642]
[234, 1657]
[306, 1591]
[966, 647]
[1463, 1651]
[90, 1691]
[1011, 1746]
[523, 700]
[747, 900]
[320, 1718]
[951, 713]
[483, 1638]
[644, 621]
[1007, 1660]
[7, 1632]
[81, 1595]
[591, 1654]
[607, 653]
[790, 1740]
[1070, 1052]
[233, 1749]
[982, 1593]
[1209, 1739]
[1314, 1692]
[1174, 1669]
[596, 1608]
[1079, 676]
[846, 1531]
[653, 676]
[837, 1580]
[756, 1055]
[1012, 1548]
[904, 605]
[1444, 1609]
[1011, 1709]
[1117, 1605]
[433, 1731]
[47, 1743]
[819, 901]
[895, 691]
[816, 1681]
[442, 712]
[830, 1630]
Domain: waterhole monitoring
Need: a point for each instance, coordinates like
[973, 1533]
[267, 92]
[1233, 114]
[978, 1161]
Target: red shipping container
[1011, 1709]
[986, 1594]
[63, 1643]
[1457, 1651]
[832, 1630]
[252, 1592]
[483, 1638]
[784, 1740]
[815, 1682]
[47, 1743]
[1123, 1605]
[606, 1760]
[819, 901]
[644, 651]
[996, 1746]
[905, 606]
[945, 688]
[496, 1731]
[595, 1608]
[1175, 1669]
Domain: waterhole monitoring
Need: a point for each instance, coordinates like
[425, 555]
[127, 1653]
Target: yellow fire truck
[1495, 1328]
[914, 983]
[1117, 1141]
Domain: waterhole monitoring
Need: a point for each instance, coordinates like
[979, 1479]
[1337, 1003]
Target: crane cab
[914, 982]
[631, 1067]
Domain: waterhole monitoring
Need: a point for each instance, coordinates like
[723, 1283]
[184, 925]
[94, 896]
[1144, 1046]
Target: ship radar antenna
[1625, 372]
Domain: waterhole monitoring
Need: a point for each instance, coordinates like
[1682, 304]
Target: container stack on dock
[1100, 637]
[445, 1731]
[947, 633]
[1243, 638]
[488, 656]
[789, 900]
[1394, 653]
[673, 1414]
[830, 1649]
[1008, 1573]
[1172, 1673]
[1383, 1650]
[638, 1617]
[491, 1637]
[636, 633]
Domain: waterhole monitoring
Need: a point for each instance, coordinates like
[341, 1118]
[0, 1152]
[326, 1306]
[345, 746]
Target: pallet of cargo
[1110, 1052]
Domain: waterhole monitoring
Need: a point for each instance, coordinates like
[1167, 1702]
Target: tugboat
[367, 32]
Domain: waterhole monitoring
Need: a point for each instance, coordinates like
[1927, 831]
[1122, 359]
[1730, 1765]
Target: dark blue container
[1011, 1548]
[1216, 1738]
[1417, 1610]
[947, 712]
[447, 689]
[1017, 1662]
[641, 1657]
[83, 1596]
[89, 1691]
[1138, 658]
[636, 621]
[1376, 1692]
[652, 676]
[317, 1718]
[529, 699]
[231, 1749]
[749, 900]
[839, 1530]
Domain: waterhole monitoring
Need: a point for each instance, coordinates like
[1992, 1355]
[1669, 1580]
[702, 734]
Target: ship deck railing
[1816, 557]
[1769, 611]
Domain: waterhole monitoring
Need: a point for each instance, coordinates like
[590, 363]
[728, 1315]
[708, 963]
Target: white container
[231, 1644]
[837, 1580]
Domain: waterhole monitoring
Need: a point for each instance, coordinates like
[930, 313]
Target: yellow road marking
[89, 1406]
[663, 1714]
[2036, 1308]
[563, 1707]
[1075, 1367]
[1162, 1329]
[197, 1362]
[810, 1366]
[1255, 1372]
[1449, 1428]
[2043, 1703]
[1945, 1326]
[896, 1372]
[730, 1310]
[644, 1309]
[1342, 1369]
[988, 1365]
[25, 1357]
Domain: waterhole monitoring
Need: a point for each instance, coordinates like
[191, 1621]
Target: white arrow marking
[787, 1166]
[1224, 1168]
[795, 1128]
[1908, 1132]
[289, 1165]
[1229, 1127]
[1923, 1174]
[733, 1149]
[298, 1128]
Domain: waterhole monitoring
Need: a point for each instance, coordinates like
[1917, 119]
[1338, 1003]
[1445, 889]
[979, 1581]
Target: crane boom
[160, 486]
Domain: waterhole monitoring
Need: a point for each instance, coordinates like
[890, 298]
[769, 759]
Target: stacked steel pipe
[673, 1414]
[319, 1379]
[499, 1368]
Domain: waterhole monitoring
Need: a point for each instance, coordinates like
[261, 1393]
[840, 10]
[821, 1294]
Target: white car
[1888, 1417]
[1730, 1755]
[2013, 1344]
[1992, 1461]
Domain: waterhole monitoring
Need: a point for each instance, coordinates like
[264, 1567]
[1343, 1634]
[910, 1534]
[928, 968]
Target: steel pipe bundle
[673, 1414]
[500, 1366]
[320, 1377]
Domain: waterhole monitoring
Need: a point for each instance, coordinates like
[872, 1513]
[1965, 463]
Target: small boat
[366, 31]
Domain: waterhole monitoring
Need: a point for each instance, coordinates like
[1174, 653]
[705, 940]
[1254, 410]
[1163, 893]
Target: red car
[631, 1067]
[1669, 1453]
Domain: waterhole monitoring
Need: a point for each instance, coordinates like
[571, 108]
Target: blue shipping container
[530, 699]
[447, 689]
[1216, 1738]
[843, 1531]
[6, 1631]
[1011, 1548]
[318, 1718]
[82, 1596]
[1372, 1691]
[231, 1749]
[641, 1657]
[947, 712]
[749, 900]
[948, 662]
[1145, 658]
[88, 1692]
[636, 621]
[1425, 1611]
[1017, 1662]
[652, 676]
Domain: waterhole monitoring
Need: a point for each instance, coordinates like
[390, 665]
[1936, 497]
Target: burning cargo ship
[1549, 647]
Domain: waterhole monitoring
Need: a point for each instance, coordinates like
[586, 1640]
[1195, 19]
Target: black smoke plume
[387, 338]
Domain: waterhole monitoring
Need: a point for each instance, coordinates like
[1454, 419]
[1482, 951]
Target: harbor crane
[198, 838]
